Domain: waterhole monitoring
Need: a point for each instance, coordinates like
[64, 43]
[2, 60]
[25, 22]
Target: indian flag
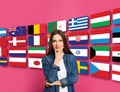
[100, 19]
[36, 51]
[58, 25]
[116, 16]
[100, 53]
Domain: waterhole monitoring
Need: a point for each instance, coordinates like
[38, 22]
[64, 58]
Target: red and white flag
[3, 51]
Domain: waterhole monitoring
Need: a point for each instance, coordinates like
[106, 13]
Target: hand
[58, 57]
[57, 83]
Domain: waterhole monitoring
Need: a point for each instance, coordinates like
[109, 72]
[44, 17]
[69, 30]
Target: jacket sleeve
[50, 71]
[73, 76]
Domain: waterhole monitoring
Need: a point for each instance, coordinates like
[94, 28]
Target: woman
[59, 66]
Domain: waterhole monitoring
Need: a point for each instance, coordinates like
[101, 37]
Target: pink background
[25, 12]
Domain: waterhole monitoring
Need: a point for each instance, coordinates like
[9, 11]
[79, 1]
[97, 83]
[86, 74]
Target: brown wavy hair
[66, 48]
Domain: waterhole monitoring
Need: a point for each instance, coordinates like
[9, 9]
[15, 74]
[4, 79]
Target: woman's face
[57, 43]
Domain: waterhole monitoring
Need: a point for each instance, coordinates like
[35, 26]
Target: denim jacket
[50, 71]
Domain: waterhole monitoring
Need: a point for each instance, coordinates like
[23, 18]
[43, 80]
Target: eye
[61, 40]
[53, 40]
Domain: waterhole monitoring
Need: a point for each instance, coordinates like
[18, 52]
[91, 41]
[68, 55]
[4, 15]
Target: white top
[62, 74]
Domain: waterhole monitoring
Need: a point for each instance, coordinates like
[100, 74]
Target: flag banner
[116, 16]
[17, 31]
[3, 41]
[17, 51]
[100, 19]
[3, 32]
[100, 53]
[34, 62]
[100, 70]
[3, 61]
[17, 61]
[3, 52]
[116, 53]
[100, 36]
[58, 25]
[116, 35]
[37, 40]
[17, 41]
[36, 51]
[116, 72]
[78, 23]
[82, 67]
[37, 29]
[80, 52]
[78, 37]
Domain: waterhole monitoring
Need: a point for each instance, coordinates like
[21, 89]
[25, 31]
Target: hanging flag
[82, 67]
[116, 16]
[3, 61]
[3, 41]
[17, 61]
[80, 52]
[3, 32]
[17, 51]
[116, 53]
[37, 40]
[100, 53]
[3, 51]
[58, 25]
[100, 19]
[78, 23]
[37, 29]
[116, 35]
[100, 70]
[36, 51]
[17, 31]
[100, 36]
[17, 41]
[78, 37]
[116, 72]
[34, 62]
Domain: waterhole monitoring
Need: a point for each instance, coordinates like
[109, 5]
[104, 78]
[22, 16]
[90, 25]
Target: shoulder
[70, 57]
[47, 58]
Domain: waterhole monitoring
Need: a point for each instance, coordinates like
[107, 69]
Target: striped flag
[100, 19]
[3, 51]
[36, 51]
[80, 52]
[116, 16]
[58, 25]
[101, 53]
[3, 32]
[100, 70]
[116, 53]
[17, 41]
[82, 67]
[17, 61]
[116, 35]
[37, 29]
[78, 37]
[116, 72]
[36, 40]
[17, 31]
[34, 62]
[17, 51]
[3, 61]
[100, 36]
[3, 41]
[78, 23]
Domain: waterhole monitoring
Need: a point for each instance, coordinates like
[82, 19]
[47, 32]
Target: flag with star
[17, 31]
[116, 53]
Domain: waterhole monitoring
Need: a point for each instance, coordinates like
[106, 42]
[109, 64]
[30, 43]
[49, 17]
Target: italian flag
[100, 19]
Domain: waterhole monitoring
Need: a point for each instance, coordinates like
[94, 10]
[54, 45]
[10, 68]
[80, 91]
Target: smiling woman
[59, 66]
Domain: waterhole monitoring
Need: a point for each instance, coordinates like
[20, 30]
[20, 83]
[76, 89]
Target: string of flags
[94, 40]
